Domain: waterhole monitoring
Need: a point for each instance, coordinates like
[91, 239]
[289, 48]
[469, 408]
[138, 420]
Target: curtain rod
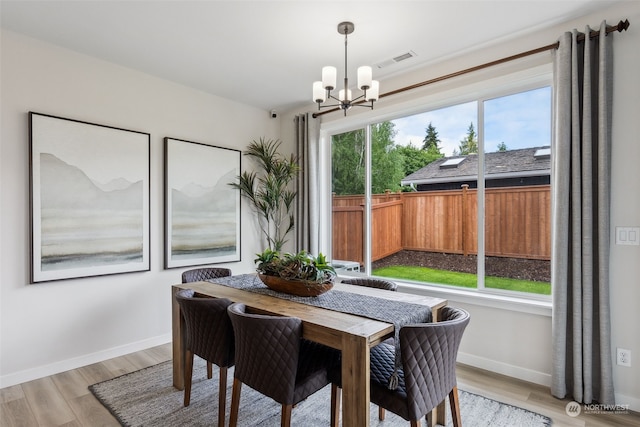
[622, 26]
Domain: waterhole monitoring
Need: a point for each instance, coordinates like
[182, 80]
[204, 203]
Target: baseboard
[633, 402]
[77, 362]
[503, 368]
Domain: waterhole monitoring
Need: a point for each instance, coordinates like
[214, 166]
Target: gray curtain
[307, 150]
[581, 170]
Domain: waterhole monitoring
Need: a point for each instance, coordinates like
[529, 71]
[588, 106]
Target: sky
[521, 120]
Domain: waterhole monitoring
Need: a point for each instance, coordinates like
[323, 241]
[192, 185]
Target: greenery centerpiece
[300, 274]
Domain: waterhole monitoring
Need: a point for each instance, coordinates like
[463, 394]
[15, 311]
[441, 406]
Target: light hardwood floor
[64, 399]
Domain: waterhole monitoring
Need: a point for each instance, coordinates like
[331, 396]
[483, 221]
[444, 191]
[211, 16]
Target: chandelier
[322, 89]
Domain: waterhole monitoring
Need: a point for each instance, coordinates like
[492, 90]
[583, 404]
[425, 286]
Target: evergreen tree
[468, 145]
[502, 146]
[431, 140]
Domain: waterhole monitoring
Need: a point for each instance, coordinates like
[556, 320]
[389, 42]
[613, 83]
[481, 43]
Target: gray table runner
[397, 312]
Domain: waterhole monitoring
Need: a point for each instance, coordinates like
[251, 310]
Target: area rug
[148, 398]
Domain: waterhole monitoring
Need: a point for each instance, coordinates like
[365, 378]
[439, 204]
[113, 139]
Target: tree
[347, 165]
[468, 145]
[502, 146]
[415, 158]
[431, 140]
[387, 163]
[348, 161]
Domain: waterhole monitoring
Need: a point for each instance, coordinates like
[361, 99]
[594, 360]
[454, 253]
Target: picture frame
[89, 199]
[202, 211]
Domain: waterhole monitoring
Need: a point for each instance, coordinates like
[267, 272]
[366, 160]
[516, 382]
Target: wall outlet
[628, 236]
[623, 357]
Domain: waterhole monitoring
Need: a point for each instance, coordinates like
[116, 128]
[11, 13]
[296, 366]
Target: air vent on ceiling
[396, 59]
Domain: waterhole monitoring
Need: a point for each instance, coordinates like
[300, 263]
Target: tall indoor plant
[269, 190]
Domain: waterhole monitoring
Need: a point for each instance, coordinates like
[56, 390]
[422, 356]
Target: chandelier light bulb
[374, 92]
[364, 77]
[329, 77]
[319, 93]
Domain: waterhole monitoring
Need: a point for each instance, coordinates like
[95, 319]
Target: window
[455, 196]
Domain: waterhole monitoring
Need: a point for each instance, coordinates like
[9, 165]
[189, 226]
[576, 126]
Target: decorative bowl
[300, 288]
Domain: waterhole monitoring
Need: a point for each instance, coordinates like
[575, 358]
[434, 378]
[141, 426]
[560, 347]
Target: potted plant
[299, 274]
[269, 190]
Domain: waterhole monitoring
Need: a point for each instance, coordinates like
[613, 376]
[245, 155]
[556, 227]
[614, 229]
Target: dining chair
[273, 359]
[201, 274]
[371, 282]
[428, 353]
[209, 335]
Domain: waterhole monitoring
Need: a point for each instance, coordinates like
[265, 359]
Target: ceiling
[268, 53]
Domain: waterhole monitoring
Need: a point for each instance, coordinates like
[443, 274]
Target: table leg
[178, 348]
[355, 381]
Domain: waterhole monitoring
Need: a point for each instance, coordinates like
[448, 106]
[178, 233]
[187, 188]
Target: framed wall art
[89, 195]
[202, 211]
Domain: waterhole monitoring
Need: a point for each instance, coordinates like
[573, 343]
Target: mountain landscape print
[202, 212]
[90, 199]
[83, 224]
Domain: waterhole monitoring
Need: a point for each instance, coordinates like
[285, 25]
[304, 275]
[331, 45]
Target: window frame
[531, 78]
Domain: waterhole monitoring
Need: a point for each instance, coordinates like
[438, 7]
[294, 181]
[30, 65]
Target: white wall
[516, 339]
[51, 327]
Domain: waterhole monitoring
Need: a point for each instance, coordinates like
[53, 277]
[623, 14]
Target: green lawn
[465, 280]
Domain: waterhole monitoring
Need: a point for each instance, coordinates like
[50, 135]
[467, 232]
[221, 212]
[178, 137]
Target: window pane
[347, 185]
[427, 232]
[517, 196]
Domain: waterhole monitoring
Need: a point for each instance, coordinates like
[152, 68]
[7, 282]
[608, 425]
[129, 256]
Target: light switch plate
[627, 235]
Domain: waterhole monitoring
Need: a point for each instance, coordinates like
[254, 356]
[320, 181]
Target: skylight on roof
[452, 163]
[542, 153]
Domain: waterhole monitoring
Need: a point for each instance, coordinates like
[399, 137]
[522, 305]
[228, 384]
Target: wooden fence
[517, 223]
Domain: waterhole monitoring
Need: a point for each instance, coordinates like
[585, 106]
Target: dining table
[353, 334]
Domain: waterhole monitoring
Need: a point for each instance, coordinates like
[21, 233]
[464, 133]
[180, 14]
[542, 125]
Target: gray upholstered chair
[273, 359]
[209, 335]
[428, 352]
[371, 282]
[201, 274]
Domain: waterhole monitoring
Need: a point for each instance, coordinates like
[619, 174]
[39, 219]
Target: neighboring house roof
[502, 164]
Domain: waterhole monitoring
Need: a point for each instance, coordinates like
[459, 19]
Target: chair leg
[235, 402]
[430, 419]
[336, 396]
[209, 370]
[188, 371]
[285, 420]
[222, 395]
[381, 413]
[415, 423]
[454, 402]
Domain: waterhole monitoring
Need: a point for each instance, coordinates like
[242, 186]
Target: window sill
[487, 298]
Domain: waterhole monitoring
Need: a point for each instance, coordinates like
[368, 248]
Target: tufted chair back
[202, 274]
[370, 282]
[272, 358]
